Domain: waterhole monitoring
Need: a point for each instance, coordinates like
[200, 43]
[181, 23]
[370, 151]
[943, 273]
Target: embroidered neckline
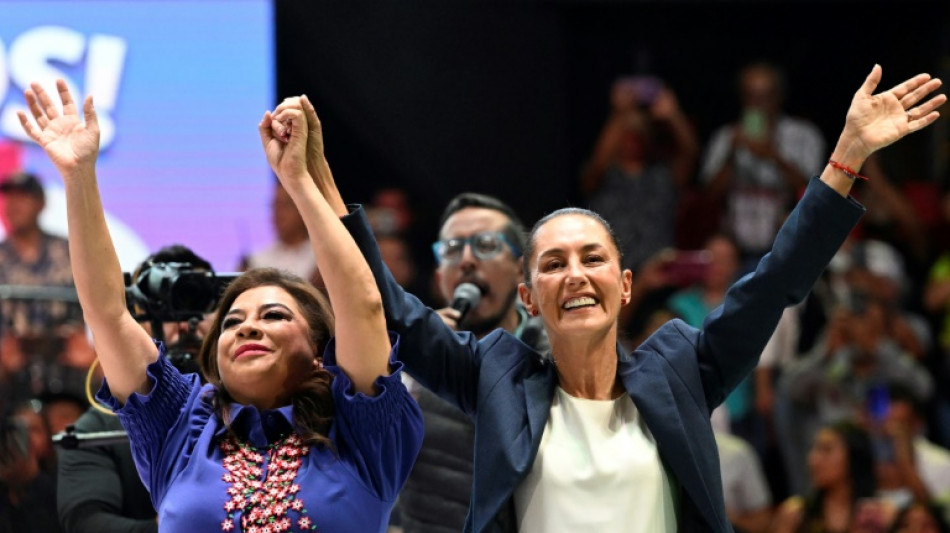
[264, 501]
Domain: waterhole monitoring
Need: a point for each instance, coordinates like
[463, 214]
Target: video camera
[175, 292]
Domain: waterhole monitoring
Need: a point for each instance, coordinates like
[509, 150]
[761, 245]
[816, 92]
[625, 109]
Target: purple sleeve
[382, 434]
[163, 425]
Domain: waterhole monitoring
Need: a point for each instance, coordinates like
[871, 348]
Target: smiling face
[496, 276]
[576, 281]
[265, 348]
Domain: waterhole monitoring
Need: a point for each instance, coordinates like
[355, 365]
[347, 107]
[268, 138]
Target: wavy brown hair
[313, 401]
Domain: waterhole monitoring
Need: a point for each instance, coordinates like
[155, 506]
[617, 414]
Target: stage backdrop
[180, 88]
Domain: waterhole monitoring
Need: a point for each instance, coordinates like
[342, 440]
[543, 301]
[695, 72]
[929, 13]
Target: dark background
[507, 97]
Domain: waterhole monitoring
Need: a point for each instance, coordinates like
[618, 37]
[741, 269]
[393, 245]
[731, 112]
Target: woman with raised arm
[295, 431]
[589, 438]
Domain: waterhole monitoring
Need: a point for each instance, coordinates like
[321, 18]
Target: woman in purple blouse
[295, 431]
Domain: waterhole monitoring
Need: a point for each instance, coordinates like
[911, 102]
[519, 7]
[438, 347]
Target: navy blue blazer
[675, 378]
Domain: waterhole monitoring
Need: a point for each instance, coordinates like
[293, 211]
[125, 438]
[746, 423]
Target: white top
[933, 463]
[743, 482]
[758, 193]
[598, 469]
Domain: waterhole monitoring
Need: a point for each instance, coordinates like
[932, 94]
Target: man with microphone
[479, 268]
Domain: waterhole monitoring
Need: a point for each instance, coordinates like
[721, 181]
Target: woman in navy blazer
[526, 405]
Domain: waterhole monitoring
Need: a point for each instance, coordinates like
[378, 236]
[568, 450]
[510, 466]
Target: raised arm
[362, 342]
[444, 362]
[736, 332]
[878, 120]
[123, 347]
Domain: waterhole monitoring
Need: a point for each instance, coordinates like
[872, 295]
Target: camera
[173, 292]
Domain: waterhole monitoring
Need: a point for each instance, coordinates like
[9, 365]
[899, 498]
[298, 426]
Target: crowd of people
[784, 376]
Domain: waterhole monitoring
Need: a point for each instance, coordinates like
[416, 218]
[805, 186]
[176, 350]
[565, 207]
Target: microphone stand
[71, 440]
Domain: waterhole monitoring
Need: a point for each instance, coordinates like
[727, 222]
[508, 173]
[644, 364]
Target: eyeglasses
[485, 245]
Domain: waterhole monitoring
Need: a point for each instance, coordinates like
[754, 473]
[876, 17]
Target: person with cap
[37, 335]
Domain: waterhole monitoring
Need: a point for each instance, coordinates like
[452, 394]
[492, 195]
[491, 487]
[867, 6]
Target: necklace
[264, 503]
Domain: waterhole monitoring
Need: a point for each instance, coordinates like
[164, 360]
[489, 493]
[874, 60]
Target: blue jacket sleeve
[442, 360]
[735, 333]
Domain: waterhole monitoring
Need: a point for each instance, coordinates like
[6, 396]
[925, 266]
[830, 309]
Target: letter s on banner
[30, 58]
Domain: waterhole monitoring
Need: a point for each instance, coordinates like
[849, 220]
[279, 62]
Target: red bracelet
[848, 172]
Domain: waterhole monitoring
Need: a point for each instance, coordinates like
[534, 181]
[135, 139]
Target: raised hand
[877, 120]
[317, 164]
[284, 137]
[71, 145]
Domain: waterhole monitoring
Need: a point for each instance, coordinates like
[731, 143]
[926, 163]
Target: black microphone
[467, 296]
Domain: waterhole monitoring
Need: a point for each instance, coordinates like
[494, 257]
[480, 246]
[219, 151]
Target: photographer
[99, 489]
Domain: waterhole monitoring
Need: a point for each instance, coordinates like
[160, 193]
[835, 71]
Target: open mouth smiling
[579, 302]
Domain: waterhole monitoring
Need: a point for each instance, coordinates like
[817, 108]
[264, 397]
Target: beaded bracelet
[848, 171]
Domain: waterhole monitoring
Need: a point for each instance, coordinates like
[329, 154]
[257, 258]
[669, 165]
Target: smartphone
[688, 267]
[878, 404]
[645, 88]
[753, 124]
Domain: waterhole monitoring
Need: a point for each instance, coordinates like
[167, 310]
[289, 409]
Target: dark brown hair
[514, 230]
[313, 401]
[531, 244]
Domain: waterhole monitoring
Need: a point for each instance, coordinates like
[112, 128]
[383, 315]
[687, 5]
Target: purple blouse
[176, 439]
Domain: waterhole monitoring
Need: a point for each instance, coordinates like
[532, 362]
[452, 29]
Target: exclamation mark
[104, 63]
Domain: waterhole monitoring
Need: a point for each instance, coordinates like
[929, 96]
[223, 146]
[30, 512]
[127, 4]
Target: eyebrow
[262, 308]
[586, 248]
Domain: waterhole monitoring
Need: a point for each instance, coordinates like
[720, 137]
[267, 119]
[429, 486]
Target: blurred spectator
[746, 492]
[759, 163]
[909, 466]
[43, 345]
[937, 290]
[399, 258]
[835, 379]
[709, 274]
[891, 215]
[291, 250]
[875, 269]
[841, 468]
[61, 410]
[27, 488]
[921, 517]
[390, 212]
[936, 302]
[633, 180]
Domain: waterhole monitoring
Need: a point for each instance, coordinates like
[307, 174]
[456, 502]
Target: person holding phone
[758, 163]
[644, 157]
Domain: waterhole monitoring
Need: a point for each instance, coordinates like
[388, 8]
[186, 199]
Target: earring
[534, 312]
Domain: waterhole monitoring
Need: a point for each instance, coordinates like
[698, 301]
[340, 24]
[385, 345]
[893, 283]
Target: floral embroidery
[264, 504]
